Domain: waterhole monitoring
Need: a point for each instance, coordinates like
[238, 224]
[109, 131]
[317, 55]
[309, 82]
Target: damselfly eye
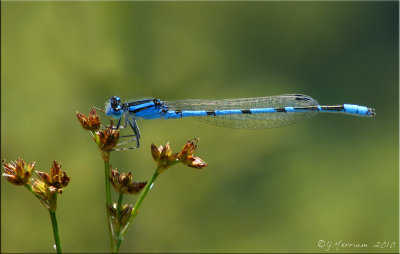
[115, 101]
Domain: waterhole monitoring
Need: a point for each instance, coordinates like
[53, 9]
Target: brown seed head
[186, 155]
[46, 193]
[194, 162]
[123, 183]
[57, 179]
[108, 139]
[123, 216]
[112, 209]
[18, 172]
[163, 156]
[155, 152]
[188, 148]
[91, 122]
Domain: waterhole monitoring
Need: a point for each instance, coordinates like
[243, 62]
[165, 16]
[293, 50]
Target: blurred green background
[331, 178]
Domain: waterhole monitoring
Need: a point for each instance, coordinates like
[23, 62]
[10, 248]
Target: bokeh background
[331, 178]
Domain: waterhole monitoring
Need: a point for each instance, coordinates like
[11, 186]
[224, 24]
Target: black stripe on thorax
[135, 103]
[140, 109]
[280, 110]
[246, 111]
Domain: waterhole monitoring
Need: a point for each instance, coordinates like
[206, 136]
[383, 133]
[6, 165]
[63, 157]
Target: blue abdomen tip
[358, 110]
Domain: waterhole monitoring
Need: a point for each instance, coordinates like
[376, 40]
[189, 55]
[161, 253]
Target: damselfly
[246, 113]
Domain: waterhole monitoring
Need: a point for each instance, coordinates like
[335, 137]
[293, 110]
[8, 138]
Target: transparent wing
[250, 121]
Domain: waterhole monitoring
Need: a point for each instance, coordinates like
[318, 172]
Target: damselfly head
[114, 108]
[115, 101]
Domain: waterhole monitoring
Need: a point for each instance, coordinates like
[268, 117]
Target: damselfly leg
[126, 139]
[136, 135]
[135, 129]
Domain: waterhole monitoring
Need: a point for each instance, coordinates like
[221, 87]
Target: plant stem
[107, 179]
[55, 230]
[108, 201]
[95, 137]
[119, 205]
[140, 200]
[106, 158]
[52, 217]
[136, 208]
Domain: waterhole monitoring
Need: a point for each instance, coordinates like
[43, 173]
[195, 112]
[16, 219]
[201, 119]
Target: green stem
[107, 179]
[106, 158]
[52, 216]
[119, 205]
[96, 137]
[140, 200]
[119, 240]
[55, 230]
[108, 201]
[136, 208]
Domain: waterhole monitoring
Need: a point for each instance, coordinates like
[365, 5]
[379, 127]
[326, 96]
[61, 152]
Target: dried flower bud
[57, 179]
[46, 194]
[163, 156]
[41, 188]
[126, 212]
[123, 183]
[122, 218]
[188, 148]
[112, 209]
[108, 139]
[194, 162]
[156, 152]
[186, 155]
[18, 172]
[92, 122]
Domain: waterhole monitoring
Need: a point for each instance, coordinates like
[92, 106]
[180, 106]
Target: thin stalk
[52, 216]
[106, 158]
[107, 181]
[119, 205]
[108, 200]
[136, 208]
[95, 137]
[55, 230]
